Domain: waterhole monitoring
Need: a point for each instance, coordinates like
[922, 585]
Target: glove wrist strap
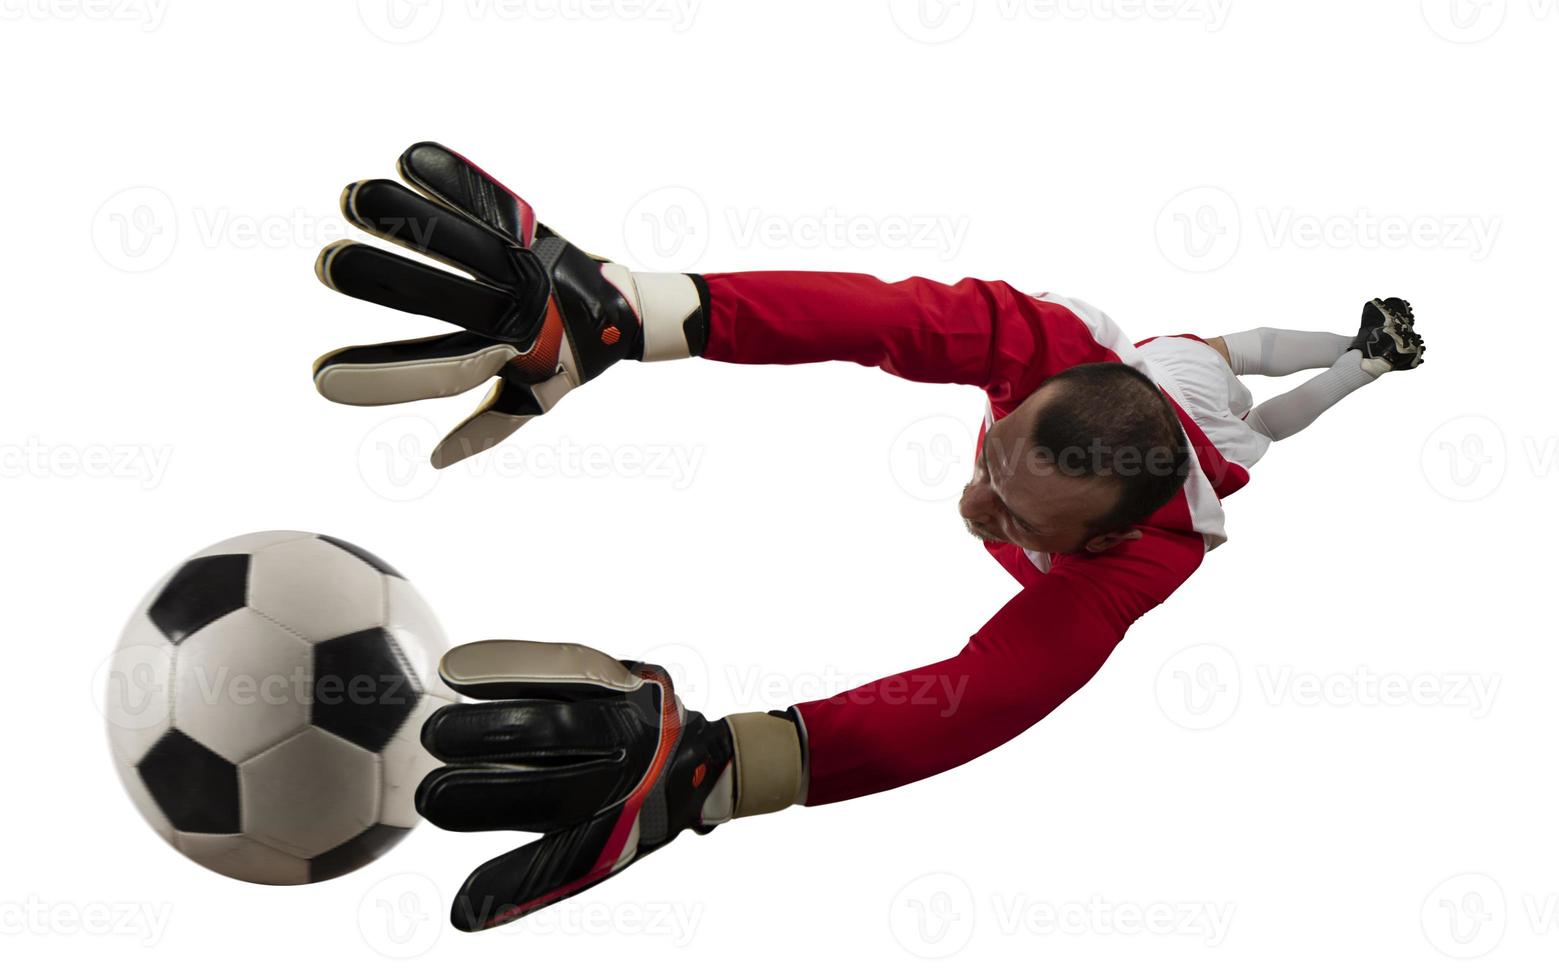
[672, 312]
[769, 767]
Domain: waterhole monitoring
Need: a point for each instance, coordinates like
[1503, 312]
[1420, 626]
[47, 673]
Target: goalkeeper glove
[597, 755]
[537, 313]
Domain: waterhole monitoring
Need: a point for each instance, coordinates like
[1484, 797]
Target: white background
[1231, 794]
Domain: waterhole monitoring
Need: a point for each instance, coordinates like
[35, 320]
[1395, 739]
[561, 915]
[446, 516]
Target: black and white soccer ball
[265, 706]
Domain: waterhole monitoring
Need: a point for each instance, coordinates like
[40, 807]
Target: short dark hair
[1109, 420]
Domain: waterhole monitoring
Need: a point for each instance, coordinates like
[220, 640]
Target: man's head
[1092, 451]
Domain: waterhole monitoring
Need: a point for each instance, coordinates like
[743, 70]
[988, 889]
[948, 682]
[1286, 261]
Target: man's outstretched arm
[603, 760]
[1038, 650]
[970, 332]
[538, 316]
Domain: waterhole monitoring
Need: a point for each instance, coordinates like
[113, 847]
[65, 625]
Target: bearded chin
[978, 533]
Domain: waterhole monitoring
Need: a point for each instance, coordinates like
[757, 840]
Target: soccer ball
[265, 706]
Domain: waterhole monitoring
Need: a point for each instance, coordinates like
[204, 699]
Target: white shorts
[1210, 393]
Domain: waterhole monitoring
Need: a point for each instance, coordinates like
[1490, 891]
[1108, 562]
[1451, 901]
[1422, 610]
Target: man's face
[1019, 497]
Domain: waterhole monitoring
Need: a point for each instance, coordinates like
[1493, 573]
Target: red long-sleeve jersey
[1050, 638]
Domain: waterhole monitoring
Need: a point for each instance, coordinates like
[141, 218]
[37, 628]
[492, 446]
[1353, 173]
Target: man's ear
[1104, 542]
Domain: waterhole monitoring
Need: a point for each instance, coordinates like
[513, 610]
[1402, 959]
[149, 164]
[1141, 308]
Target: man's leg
[1385, 342]
[1276, 353]
[1288, 413]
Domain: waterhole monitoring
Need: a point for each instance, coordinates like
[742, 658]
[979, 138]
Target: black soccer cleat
[1387, 338]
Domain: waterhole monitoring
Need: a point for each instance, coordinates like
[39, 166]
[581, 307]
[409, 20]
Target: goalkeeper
[1100, 472]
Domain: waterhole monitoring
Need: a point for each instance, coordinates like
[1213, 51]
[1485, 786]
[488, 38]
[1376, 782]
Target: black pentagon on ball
[196, 789]
[363, 688]
[365, 847]
[373, 560]
[199, 594]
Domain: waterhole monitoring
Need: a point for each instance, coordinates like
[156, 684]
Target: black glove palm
[597, 755]
[538, 314]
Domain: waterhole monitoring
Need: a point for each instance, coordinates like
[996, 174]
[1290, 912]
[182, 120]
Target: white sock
[1282, 416]
[1275, 353]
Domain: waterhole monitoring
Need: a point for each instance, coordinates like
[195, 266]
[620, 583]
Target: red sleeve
[1033, 654]
[974, 332]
